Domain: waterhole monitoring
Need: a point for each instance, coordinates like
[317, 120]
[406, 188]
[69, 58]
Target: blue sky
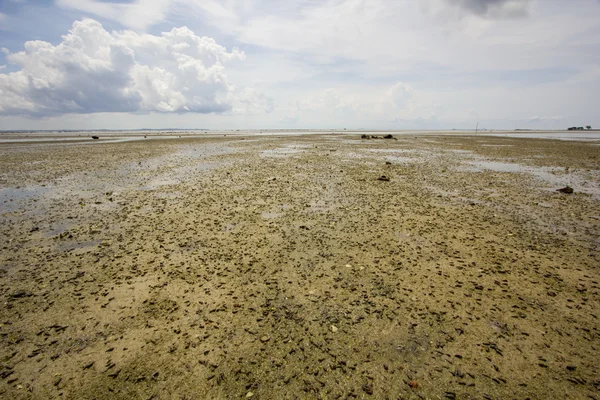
[227, 64]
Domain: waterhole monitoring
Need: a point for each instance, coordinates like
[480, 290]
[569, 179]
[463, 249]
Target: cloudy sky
[234, 64]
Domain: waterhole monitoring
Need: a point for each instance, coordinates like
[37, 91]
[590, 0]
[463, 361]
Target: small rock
[571, 367]
[19, 294]
[265, 339]
[249, 394]
[88, 365]
[383, 178]
[334, 328]
[566, 189]
[368, 389]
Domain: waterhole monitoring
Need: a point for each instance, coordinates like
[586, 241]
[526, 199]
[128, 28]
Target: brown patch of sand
[282, 268]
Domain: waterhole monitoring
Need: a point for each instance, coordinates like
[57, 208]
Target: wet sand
[282, 268]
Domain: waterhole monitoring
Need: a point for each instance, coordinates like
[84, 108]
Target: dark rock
[88, 365]
[95, 137]
[19, 294]
[383, 178]
[566, 189]
[388, 137]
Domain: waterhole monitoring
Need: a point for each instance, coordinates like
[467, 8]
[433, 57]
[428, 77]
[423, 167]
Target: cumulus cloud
[251, 101]
[93, 70]
[398, 99]
[494, 8]
[400, 94]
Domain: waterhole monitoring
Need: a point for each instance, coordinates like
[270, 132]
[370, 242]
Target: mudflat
[309, 266]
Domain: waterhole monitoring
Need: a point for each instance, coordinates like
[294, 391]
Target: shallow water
[575, 135]
[13, 199]
[555, 176]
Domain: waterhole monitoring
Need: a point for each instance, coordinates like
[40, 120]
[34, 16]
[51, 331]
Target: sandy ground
[282, 268]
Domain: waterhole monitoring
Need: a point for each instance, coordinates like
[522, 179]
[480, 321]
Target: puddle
[175, 168]
[555, 176]
[13, 199]
[478, 166]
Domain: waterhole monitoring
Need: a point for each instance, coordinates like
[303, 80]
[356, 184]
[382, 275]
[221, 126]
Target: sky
[296, 64]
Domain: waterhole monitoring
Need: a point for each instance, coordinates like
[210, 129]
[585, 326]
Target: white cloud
[544, 119]
[400, 94]
[355, 105]
[250, 101]
[93, 70]
[138, 14]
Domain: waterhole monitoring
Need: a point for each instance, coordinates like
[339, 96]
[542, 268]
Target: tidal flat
[285, 267]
